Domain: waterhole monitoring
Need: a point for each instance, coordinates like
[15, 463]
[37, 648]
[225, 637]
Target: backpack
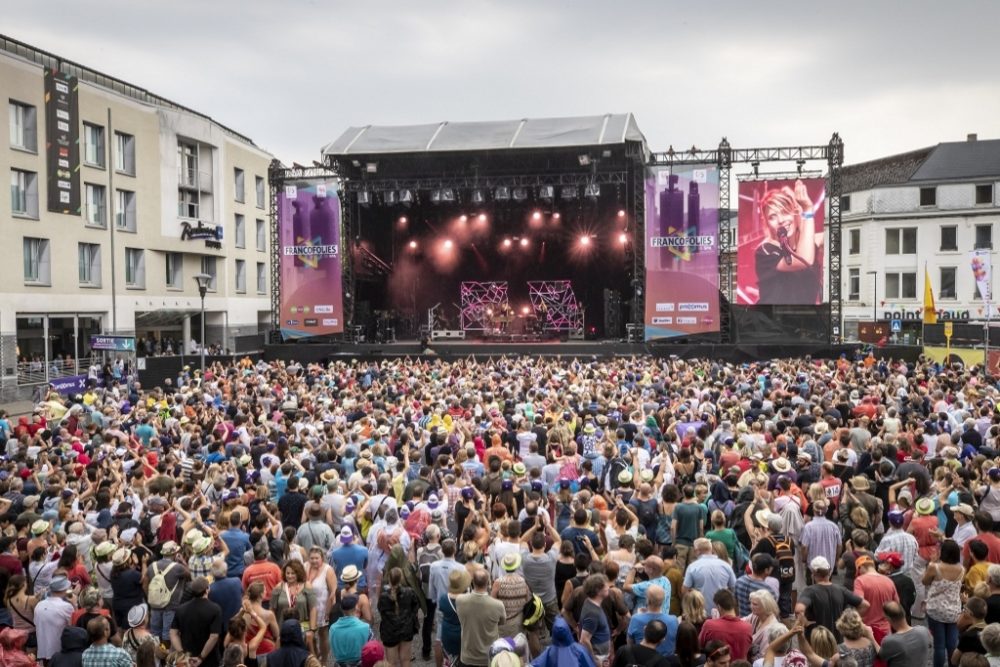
[533, 611]
[785, 557]
[664, 528]
[159, 595]
[424, 560]
[646, 511]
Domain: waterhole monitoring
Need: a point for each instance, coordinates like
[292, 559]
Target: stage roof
[527, 133]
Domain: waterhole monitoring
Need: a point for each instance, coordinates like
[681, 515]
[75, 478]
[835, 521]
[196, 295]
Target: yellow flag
[930, 312]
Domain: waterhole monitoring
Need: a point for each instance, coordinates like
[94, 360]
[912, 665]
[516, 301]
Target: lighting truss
[477, 299]
[562, 310]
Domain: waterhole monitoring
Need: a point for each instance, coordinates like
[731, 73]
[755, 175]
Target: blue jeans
[160, 621]
[945, 640]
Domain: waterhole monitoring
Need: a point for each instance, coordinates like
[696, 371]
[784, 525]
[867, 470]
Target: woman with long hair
[858, 643]
[943, 580]
[693, 609]
[293, 598]
[398, 606]
[76, 572]
[323, 581]
[687, 646]
[21, 606]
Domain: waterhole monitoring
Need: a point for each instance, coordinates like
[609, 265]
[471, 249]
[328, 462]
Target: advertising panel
[682, 251]
[113, 343]
[309, 234]
[781, 242]
[62, 142]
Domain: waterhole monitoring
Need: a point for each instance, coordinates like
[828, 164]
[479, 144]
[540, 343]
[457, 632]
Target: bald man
[655, 596]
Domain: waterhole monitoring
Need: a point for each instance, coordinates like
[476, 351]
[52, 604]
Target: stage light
[536, 216]
[623, 238]
[435, 196]
[525, 310]
[556, 215]
[405, 197]
[506, 243]
[448, 244]
[520, 194]
[413, 245]
[502, 193]
[547, 192]
[478, 197]
[585, 240]
[524, 242]
[403, 220]
[364, 197]
[489, 311]
[593, 191]
[371, 167]
[569, 193]
[463, 218]
[447, 194]
[621, 213]
[390, 197]
[584, 159]
[481, 217]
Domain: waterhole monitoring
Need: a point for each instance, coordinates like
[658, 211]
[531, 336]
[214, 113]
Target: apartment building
[925, 209]
[117, 199]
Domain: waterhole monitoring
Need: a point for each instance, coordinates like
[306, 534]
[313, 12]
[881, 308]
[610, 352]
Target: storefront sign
[917, 314]
[113, 343]
[210, 234]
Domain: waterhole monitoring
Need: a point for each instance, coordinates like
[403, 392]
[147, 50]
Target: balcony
[195, 179]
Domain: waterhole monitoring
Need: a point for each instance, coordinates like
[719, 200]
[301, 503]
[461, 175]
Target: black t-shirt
[825, 603]
[785, 287]
[993, 608]
[196, 621]
[639, 655]
[291, 506]
[969, 641]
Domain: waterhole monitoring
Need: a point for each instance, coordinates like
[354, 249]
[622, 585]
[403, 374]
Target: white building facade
[164, 193]
[926, 209]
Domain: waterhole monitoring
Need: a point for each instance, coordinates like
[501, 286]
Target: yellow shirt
[976, 575]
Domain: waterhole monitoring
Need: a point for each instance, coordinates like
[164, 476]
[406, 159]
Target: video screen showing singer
[788, 260]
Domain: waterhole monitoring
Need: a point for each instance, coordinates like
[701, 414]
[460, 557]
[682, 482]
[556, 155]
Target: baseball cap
[893, 558]
[819, 563]
[346, 535]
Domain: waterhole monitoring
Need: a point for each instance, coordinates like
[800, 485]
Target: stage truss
[481, 301]
[562, 311]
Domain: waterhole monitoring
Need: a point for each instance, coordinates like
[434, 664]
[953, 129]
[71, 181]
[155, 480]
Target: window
[93, 145]
[37, 266]
[241, 231]
[947, 282]
[949, 237]
[240, 190]
[984, 237]
[90, 264]
[261, 235]
[845, 203]
[209, 266]
[241, 276]
[258, 182]
[854, 248]
[95, 205]
[135, 268]
[125, 218]
[23, 126]
[187, 165]
[187, 204]
[24, 193]
[901, 285]
[261, 278]
[928, 196]
[984, 193]
[901, 241]
[854, 285]
[175, 270]
[125, 153]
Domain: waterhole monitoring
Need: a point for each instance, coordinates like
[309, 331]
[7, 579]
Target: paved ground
[18, 408]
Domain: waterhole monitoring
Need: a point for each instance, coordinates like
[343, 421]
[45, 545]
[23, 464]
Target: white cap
[819, 563]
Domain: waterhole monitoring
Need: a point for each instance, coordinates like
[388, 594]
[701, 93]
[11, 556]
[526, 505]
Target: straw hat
[925, 506]
[350, 574]
[201, 545]
[121, 556]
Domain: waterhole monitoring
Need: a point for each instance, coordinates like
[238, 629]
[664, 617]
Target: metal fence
[38, 372]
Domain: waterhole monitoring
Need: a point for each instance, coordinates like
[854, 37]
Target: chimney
[971, 137]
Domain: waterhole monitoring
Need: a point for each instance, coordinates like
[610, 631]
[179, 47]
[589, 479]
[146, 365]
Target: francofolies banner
[311, 279]
[682, 251]
[62, 142]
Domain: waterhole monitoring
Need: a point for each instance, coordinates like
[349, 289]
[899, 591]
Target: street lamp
[874, 275]
[203, 280]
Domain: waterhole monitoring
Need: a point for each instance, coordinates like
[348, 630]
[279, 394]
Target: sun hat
[519, 469]
[121, 556]
[964, 509]
[350, 574]
[781, 464]
[511, 562]
[104, 549]
[202, 545]
[625, 477]
[59, 584]
[137, 614]
[169, 548]
[129, 534]
[925, 506]
[192, 536]
[39, 527]
[860, 483]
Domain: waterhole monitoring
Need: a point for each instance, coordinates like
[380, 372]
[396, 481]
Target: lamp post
[203, 280]
[874, 275]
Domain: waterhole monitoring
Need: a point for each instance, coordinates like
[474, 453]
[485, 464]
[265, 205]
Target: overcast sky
[294, 74]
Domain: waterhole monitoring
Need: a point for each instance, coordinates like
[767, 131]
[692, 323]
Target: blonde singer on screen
[788, 260]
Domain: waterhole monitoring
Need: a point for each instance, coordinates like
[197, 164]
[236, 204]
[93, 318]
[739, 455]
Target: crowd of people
[557, 512]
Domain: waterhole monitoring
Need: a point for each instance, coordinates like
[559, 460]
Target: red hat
[371, 653]
[893, 558]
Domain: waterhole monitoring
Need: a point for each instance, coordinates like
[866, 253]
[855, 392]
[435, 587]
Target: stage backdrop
[309, 233]
[781, 242]
[682, 251]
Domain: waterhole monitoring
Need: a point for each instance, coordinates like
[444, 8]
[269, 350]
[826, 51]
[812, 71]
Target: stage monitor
[682, 251]
[310, 259]
[781, 242]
